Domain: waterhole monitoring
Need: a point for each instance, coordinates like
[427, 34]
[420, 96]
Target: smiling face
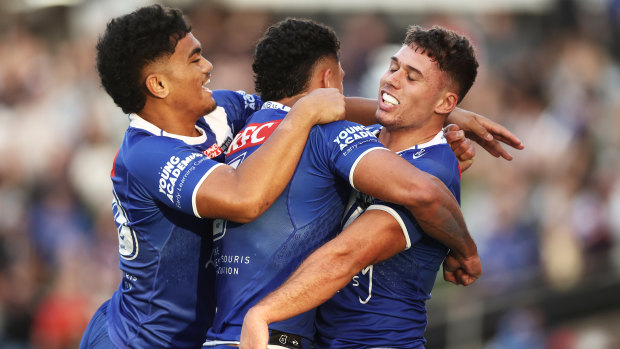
[412, 92]
[186, 74]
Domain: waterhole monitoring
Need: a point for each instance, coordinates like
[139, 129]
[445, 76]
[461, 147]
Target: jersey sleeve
[345, 144]
[403, 217]
[238, 106]
[171, 171]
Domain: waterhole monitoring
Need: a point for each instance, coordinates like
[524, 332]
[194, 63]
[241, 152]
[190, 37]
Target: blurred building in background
[547, 224]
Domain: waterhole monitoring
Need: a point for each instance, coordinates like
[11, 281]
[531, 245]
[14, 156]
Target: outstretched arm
[480, 129]
[371, 238]
[244, 193]
[485, 132]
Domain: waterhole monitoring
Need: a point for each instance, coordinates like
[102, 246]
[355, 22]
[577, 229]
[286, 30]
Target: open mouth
[206, 82]
[389, 99]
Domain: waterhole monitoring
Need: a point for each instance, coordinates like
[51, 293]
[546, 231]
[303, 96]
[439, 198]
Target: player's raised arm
[480, 129]
[485, 132]
[244, 193]
[361, 110]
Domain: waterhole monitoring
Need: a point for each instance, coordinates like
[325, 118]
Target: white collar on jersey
[137, 122]
[438, 139]
[275, 105]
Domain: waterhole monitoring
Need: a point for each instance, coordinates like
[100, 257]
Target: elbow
[423, 194]
[249, 209]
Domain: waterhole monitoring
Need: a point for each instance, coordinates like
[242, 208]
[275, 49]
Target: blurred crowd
[549, 219]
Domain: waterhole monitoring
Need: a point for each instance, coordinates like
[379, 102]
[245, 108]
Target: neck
[399, 139]
[290, 101]
[170, 121]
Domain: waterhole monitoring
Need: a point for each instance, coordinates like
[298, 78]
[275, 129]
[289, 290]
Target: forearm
[441, 218]
[428, 199]
[361, 110]
[268, 170]
[318, 278]
[457, 117]
[243, 194]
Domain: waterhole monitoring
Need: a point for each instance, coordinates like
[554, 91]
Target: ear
[447, 104]
[156, 85]
[325, 78]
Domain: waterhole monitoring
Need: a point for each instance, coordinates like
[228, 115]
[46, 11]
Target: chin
[211, 107]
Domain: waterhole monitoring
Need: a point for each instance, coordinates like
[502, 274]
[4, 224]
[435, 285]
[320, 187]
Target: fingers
[498, 132]
[449, 277]
[495, 148]
[464, 271]
[327, 104]
[462, 147]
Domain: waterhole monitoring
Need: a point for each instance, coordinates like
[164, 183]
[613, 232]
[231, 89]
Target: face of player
[410, 91]
[188, 74]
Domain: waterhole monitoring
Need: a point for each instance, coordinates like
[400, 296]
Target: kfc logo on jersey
[253, 134]
[213, 151]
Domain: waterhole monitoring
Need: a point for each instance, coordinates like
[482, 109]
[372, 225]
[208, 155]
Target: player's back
[253, 259]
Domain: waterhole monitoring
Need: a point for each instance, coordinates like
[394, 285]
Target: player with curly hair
[168, 176]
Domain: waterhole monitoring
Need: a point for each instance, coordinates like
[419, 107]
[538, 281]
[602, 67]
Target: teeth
[389, 99]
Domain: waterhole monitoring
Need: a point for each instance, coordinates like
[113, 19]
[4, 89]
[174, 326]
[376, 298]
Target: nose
[206, 66]
[391, 78]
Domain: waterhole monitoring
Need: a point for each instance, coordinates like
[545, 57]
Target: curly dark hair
[286, 54]
[453, 53]
[129, 43]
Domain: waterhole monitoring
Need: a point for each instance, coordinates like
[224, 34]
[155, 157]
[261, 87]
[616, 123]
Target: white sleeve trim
[194, 206]
[398, 219]
[357, 161]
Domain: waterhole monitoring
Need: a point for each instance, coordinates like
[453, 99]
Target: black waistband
[289, 340]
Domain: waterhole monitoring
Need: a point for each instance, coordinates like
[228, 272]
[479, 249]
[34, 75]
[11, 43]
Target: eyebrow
[407, 67]
[196, 50]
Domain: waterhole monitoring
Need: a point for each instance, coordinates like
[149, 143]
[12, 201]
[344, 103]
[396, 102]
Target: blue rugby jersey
[384, 305]
[165, 299]
[253, 259]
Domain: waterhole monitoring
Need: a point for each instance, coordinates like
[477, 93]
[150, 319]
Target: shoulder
[226, 97]
[438, 160]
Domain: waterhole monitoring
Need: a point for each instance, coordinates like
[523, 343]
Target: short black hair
[129, 43]
[286, 54]
[453, 53]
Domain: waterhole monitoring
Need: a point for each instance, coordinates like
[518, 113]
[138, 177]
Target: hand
[461, 270]
[485, 132]
[254, 332]
[324, 104]
[462, 147]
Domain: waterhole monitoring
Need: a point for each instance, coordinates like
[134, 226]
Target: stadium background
[547, 224]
